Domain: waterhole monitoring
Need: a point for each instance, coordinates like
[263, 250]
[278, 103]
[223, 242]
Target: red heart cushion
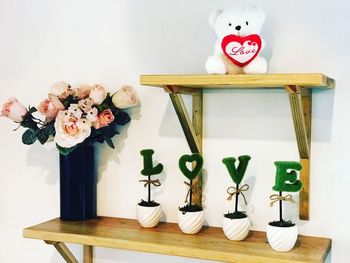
[241, 50]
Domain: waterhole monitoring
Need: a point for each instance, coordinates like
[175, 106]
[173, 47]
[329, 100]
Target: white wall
[113, 42]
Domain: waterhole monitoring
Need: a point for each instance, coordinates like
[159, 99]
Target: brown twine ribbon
[275, 198]
[234, 191]
[154, 182]
[194, 187]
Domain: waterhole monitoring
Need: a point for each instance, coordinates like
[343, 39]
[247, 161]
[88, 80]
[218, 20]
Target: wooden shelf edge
[307, 80]
[167, 239]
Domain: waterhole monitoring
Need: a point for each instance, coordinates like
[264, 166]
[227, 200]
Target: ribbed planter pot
[148, 216]
[190, 222]
[236, 229]
[282, 239]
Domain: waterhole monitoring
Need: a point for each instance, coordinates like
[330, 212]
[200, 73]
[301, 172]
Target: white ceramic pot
[236, 229]
[282, 239]
[148, 216]
[190, 222]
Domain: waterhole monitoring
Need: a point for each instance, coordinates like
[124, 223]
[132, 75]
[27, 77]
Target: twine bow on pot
[275, 198]
[148, 182]
[234, 191]
[195, 188]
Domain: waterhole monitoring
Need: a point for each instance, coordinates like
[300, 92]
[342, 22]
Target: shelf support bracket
[68, 255]
[88, 254]
[301, 104]
[64, 251]
[193, 130]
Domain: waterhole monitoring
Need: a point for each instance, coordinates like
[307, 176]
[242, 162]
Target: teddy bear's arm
[263, 44]
[215, 63]
[218, 50]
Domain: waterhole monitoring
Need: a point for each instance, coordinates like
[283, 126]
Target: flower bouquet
[72, 116]
[75, 118]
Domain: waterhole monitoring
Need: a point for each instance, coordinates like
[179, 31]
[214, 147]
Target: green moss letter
[148, 168]
[287, 181]
[237, 173]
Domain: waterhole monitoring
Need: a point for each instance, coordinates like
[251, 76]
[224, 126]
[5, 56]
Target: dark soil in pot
[190, 208]
[235, 215]
[282, 223]
[148, 204]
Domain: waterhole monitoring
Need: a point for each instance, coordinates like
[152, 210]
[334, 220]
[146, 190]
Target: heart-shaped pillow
[193, 158]
[241, 50]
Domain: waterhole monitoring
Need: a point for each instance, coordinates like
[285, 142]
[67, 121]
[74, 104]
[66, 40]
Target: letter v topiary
[237, 174]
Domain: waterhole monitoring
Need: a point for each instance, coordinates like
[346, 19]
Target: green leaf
[44, 133]
[110, 143]
[32, 109]
[28, 122]
[122, 118]
[29, 137]
[43, 136]
[65, 151]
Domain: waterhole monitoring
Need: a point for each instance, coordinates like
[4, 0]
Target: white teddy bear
[241, 22]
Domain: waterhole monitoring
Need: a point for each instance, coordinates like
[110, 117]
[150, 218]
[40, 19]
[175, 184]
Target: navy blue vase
[78, 184]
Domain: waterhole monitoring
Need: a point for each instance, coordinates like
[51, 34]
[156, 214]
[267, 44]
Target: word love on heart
[241, 50]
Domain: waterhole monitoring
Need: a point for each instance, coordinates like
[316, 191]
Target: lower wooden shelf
[167, 239]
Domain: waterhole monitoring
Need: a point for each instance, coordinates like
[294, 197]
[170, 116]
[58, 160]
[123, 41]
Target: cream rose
[126, 97]
[82, 91]
[86, 104]
[14, 110]
[71, 131]
[98, 94]
[50, 107]
[61, 89]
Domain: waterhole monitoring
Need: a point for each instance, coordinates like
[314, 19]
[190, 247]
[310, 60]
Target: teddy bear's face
[237, 21]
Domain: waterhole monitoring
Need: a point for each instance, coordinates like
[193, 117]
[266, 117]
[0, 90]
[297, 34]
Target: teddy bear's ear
[214, 16]
[257, 13]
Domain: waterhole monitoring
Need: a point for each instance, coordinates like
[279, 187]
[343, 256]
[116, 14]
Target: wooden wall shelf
[167, 239]
[298, 87]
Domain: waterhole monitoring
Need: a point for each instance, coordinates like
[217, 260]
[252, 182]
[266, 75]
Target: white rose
[98, 94]
[75, 111]
[61, 89]
[126, 97]
[71, 131]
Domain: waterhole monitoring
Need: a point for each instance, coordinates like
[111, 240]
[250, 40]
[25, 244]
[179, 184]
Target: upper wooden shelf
[167, 239]
[309, 80]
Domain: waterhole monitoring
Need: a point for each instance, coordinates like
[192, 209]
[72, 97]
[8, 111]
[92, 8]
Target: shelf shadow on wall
[253, 115]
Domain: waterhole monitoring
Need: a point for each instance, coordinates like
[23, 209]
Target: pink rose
[98, 94]
[14, 110]
[61, 89]
[82, 91]
[103, 119]
[50, 107]
[126, 97]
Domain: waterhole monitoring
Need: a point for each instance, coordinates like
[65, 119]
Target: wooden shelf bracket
[68, 255]
[64, 251]
[301, 105]
[192, 129]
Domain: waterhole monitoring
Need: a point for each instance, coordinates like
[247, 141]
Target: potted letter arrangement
[149, 212]
[191, 216]
[282, 234]
[236, 224]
